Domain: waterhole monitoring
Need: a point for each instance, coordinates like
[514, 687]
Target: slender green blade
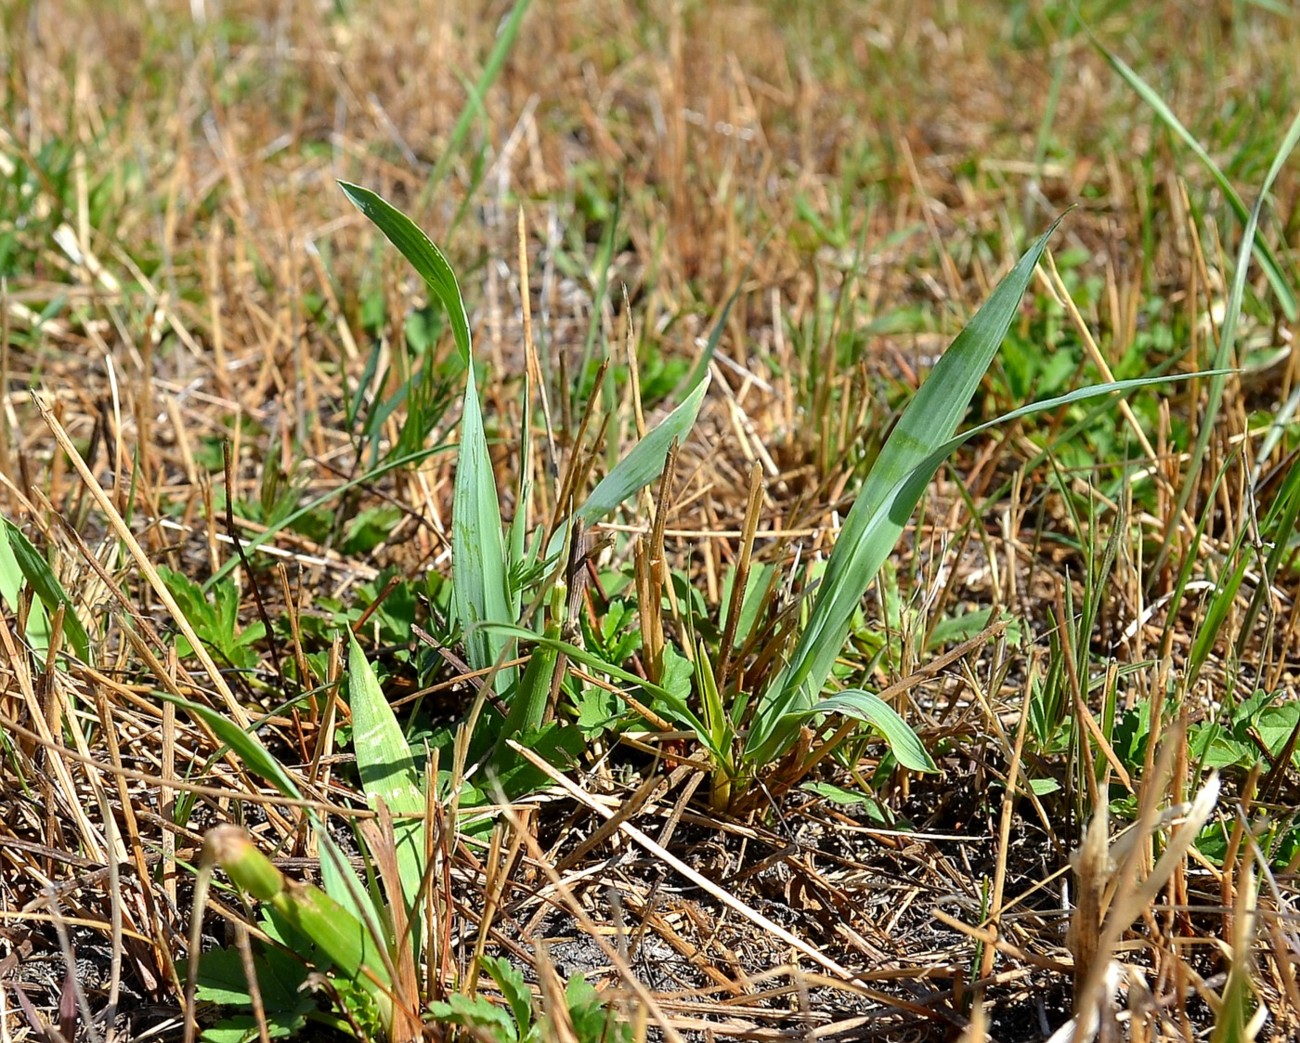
[1268, 261]
[420, 250]
[1228, 332]
[496, 61]
[481, 584]
[645, 461]
[479, 564]
[17, 551]
[866, 706]
[248, 748]
[677, 707]
[384, 759]
[877, 519]
[785, 705]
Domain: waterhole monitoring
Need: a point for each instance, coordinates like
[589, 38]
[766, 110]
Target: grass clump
[727, 588]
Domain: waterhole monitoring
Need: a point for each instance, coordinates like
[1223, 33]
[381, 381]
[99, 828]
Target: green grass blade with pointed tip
[875, 523]
[17, 551]
[424, 256]
[645, 461]
[866, 706]
[784, 707]
[479, 570]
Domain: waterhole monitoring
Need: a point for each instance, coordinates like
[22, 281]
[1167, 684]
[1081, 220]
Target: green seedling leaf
[477, 1013]
[528, 708]
[424, 256]
[865, 706]
[479, 564]
[593, 1021]
[1277, 279]
[247, 747]
[885, 503]
[280, 979]
[672, 701]
[645, 461]
[383, 756]
[388, 772]
[17, 553]
[513, 987]
[480, 581]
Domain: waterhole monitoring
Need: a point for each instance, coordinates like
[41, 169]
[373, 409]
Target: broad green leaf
[387, 771]
[477, 1013]
[1277, 279]
[480, 583]
[885, 503]
[865, 706]
[17, 551]
[420, 250]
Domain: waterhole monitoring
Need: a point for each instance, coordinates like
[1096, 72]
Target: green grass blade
[678, 707]
[866, 706]
[16, 551]
[1228, 335]
[481, 586]
[1277, 279]
[388, 772]
[645, 462]
[784, 704]
[877, 519]
[248, 748]
[384, 759]
[424, 256]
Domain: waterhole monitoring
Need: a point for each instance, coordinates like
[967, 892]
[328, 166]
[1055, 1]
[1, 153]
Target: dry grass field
[655, 675]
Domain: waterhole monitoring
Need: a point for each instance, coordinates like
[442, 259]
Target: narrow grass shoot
[21, 563]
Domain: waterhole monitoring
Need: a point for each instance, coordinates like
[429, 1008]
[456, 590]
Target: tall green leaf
[478, 552]
[480, 580]
[877, 519]
[784, 705]
[388, 772]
